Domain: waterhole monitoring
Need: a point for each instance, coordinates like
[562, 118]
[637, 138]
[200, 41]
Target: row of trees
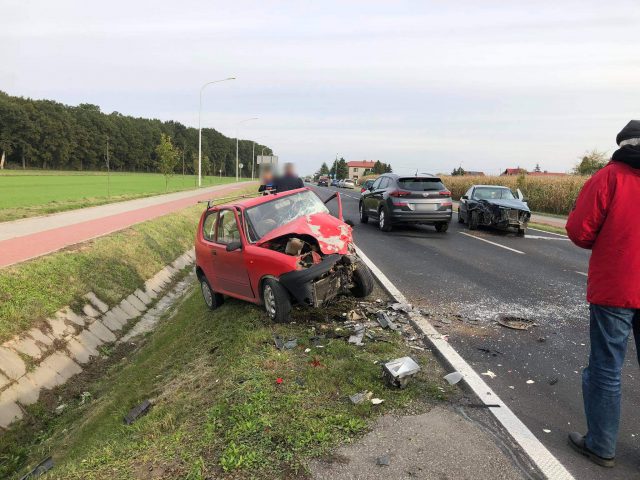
[49, 135]
[340, 169]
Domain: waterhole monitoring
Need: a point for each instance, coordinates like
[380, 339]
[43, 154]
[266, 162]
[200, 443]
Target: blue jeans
[610, 328]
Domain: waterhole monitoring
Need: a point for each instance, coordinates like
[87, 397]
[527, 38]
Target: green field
[30, 193]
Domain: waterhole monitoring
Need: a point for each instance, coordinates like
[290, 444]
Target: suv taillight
[399, 193]
[445, 193]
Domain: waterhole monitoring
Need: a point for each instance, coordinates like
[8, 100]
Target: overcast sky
[419, 84]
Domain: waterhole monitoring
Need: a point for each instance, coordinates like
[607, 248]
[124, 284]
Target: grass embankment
[30, 193]
[219, 411]
[112, 267]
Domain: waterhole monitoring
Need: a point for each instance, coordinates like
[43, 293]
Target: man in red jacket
[605, 220]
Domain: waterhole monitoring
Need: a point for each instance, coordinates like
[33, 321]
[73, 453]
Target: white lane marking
[543, 458]
[493, 243]
[545, 231]
[540, 237]
[582, 273]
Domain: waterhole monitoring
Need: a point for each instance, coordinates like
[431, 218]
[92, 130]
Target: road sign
[267, 159]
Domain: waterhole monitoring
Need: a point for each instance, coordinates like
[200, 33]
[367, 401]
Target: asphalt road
[466, 280]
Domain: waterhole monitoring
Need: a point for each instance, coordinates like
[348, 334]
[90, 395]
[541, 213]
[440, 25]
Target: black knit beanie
[632, 130]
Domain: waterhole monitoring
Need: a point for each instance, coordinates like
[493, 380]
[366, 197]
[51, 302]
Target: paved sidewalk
[28, 238]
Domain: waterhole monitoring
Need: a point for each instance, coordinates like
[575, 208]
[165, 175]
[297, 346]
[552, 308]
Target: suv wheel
[212, 299]
[364, 218]
[442, 227]
[383, 220]
[522, 232]
[276, 300]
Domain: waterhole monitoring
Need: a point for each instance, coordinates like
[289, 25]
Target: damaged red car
[278, 250]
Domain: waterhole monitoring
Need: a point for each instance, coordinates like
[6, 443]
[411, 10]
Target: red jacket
[606, 219]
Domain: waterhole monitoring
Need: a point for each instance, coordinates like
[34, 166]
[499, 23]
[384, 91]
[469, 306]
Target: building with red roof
[360, 168]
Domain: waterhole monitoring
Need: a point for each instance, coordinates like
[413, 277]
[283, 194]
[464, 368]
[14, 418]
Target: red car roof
[252, 202]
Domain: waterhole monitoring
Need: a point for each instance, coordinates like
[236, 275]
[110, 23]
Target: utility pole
[253, 158]
[108, 172]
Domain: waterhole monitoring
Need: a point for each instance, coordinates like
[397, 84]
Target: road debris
[383, 461]
[377, 401]
[307, 350]
[489, 374]
[385, 321]
[40, 469]
[358, 335]
[279, 380]
[282, 344]
[515, 323]
[546, 430]
[361, 397]
[453, 377]
[402, 307]
[137, 412]
[493, 353]
[397, 373]
[354, 316]
[316, 340]
[530, 382]
[553, 381]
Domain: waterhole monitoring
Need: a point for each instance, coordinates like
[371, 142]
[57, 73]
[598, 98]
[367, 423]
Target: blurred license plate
[426, 207]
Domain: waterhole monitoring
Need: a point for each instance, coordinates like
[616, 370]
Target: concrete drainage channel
[45, 357]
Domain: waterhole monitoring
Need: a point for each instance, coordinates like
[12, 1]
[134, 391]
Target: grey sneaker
[576, 441]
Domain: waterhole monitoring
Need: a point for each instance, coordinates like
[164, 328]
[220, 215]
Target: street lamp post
[237, 134]
[200, 127]
[253, 158]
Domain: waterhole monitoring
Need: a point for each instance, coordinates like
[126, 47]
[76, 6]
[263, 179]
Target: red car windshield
[268, 216]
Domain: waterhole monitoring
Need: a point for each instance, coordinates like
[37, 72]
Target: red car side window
[209, 226]
[227, 228]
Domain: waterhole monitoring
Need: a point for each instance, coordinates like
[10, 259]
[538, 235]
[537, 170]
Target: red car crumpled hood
[333, 235]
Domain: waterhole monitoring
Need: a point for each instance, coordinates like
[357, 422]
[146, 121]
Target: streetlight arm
[200, 127]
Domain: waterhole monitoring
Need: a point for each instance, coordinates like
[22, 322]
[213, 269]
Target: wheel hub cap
[269, 301]
[206, 293]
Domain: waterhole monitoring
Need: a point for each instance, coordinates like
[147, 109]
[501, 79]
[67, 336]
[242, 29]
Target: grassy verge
[219, 411]
[548, 228]
[27, 194]
[111, 266]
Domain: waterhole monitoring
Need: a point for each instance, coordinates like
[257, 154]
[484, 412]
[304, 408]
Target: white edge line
[546, 231]
[492, 243]
[543, 458]
[582, 273]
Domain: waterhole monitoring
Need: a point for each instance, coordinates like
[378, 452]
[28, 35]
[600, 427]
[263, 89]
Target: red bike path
[26, 247]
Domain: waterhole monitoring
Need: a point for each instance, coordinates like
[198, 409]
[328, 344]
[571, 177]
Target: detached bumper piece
[321, 282]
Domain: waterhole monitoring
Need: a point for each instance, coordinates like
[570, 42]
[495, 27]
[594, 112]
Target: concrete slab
[9, 411]
[25, 345]
[89, 341]
[151, 293]
[11, 364]
[63, 365]
[120, 314]
[59, 327]
[4, 381]
[70, 316]
[89, 311]
[38, 336]
[45, 376]
[96, 302]
[102, 332]
[25, 391]
[129, 309]
[435, 445]
[79, 352]
[143, 297]
[135, 301]
[111, 321]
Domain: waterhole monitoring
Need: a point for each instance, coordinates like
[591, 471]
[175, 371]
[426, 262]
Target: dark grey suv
[395, 199]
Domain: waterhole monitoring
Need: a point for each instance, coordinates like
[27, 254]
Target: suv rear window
[421, 184]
